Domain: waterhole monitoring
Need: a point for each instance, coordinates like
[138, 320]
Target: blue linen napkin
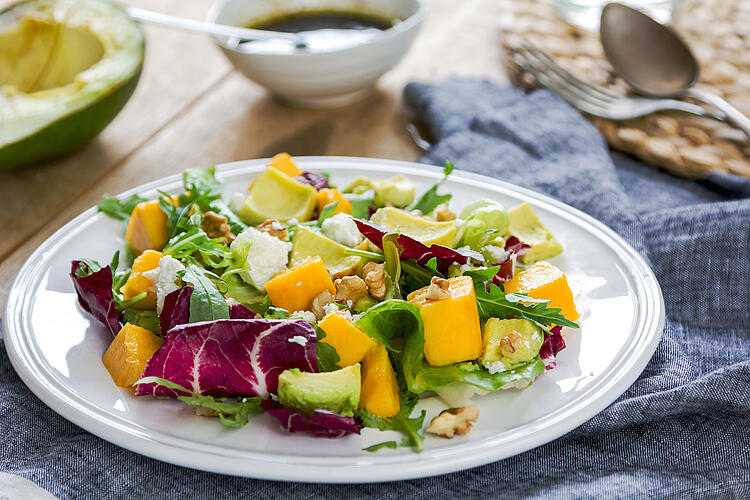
[681, 431]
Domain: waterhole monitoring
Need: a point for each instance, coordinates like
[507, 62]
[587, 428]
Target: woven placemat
[718, 32]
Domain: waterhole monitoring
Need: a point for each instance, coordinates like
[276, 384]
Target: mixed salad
[329, 308]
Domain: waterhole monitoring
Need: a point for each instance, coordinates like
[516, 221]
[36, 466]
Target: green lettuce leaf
[119, 209]
[401, 422]
[389, 319]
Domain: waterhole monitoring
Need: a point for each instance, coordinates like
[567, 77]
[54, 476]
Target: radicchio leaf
[231, 357]
[316, 180]
[321, 424]
[551, 346]
[176, 309]
[514, 248]
[95, 295]
[413, 249]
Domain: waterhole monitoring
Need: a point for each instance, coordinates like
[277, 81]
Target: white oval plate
[56, 349]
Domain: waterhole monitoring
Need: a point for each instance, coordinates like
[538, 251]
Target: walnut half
[454, 421]
[274, 228]
[216, 226]
[323, 299]
[374, 275]
[439, 289]
[350, 288]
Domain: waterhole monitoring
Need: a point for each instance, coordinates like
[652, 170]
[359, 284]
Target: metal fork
[591, 99]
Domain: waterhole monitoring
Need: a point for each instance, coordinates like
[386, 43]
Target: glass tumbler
[586, 13]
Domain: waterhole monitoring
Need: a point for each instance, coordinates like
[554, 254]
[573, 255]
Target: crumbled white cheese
[459, 393]
[341, 228]
[236, 201]
[495, 366]
[298, 339]
[496, 253]
[306, 315]
[266, 255]
[164, 279]
[277, 226]
[330, 308]
[274, 397]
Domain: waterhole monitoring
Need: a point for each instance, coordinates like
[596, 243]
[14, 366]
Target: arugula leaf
[430, 199]
[145, 319]
[87, 268]
[481, 275]
[328, 358]
[220, 207]
[206, 302]
[195, 241]
[241, 291]
[231, 414]
[276, 313]
[390, 319]
[385, 444]
[202, 182]
[119, 209]
[327, 212]
[361, 204]
[493, 303]
[392, 253]
[401, 422]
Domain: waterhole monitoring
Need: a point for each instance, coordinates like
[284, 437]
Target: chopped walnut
[510, 343]
[318, 303]
[350, 288]
[443, 213]
[274, 228]
[374, 275]
[438, 289]
[216, 226]
[454, 421]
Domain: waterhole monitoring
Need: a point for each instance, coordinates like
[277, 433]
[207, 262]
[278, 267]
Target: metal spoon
[234, 32]
[655, 61]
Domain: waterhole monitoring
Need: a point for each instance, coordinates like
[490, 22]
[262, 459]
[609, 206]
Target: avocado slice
[425, 230]
[336, 391]
[67, 67]
[309, 243]
[524, 340]
[526, 226]
[275, 195]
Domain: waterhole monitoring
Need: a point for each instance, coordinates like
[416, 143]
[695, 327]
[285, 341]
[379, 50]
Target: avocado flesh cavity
[336, 391]
[67, 67]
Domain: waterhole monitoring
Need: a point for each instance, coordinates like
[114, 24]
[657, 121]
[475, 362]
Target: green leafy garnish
[361, 204]
[327, 211]
[430, 199]
[401, 422]
[87, 268]
[392, 253]
[206, 302]
[389, 319]
[328, 358]
[194, 242]
[276, 313]
[119, 209]
[482, 275]
[385, 444]
[125, 304]
[231, 414]
[145, 319]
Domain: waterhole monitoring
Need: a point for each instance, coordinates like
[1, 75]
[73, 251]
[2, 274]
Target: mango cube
[451, 325]
[350, 342]
[283, 162]
[545, 281]
[147, 228]
[327, 196]
[295, 288]
[128, 353]
[379, 395]
[137, 283]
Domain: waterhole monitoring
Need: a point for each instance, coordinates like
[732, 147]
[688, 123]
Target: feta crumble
[266, 255]
[498, 254]
[298, 339]
[306, 315]
[164, 279]
[236, 201]
[341, 228]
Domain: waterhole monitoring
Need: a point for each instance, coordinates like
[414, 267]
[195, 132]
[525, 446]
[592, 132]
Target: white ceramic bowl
[319, 79]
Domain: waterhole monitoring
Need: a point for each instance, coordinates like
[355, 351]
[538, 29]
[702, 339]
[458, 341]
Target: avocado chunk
[67, 67]
[309, 243]
[275, 195]
[425, 230]
[398, 190]
[526, 226]
[336, 391]
[508, 343]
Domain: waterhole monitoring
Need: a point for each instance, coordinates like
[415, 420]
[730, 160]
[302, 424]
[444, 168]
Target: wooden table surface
[191, 109]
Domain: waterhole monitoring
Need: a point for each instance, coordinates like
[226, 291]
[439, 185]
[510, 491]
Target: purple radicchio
[95, 295]
[514, 248]
[176, 309]
[321, 423]
[316, 180]
[413, 249]
[551, 346]
[231, 357]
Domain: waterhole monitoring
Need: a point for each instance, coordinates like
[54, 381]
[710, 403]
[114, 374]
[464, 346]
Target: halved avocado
[67, 67]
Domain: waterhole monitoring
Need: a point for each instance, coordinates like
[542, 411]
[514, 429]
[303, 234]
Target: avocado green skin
[70, 132]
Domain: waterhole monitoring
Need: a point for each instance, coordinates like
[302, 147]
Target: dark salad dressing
[299, 22]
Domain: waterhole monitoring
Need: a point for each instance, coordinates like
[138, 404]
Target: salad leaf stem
[121, 306]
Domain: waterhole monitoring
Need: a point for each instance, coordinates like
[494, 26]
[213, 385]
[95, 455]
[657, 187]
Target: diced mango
[545, 281]
[283, 162]
[451, 325]
[295, 288]
[329, 195]
[128, 353]
[379, 393]
[147, 228]
[350, 342]
[137, 283]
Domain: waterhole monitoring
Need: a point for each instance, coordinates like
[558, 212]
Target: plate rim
[407, 466]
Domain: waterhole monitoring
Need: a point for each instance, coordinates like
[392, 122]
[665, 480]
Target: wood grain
[224, 117]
